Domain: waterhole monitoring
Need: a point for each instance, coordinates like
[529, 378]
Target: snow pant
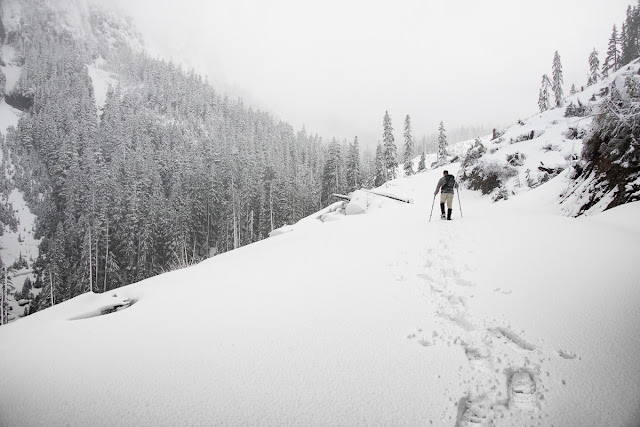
[448, 198]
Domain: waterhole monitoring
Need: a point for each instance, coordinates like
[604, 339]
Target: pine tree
[543, 97]
[380, 171]
[442, 145]
[594, 68]
[423, 160]
[573, 89]
[408, 147]
[612, 61]
[557, 80]
[354, 174]
[331, 173]
[629, 37]
[389, 150]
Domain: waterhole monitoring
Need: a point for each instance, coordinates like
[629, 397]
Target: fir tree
[354, 175]
[423, 160]
[594, 68]
[442, 144]
[389, 150]
[380, 171]
[543, 97]
[557, 80]
[629, 37]
[408, 147]
[331, 173]
[611, 63]
[573, 89]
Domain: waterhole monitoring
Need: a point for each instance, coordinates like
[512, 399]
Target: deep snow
[520, 314]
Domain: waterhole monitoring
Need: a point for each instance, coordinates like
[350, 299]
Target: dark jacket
[447, 183]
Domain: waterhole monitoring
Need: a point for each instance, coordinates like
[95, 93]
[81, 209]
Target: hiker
[447, 183]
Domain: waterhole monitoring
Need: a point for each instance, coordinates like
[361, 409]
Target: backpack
[449, 182]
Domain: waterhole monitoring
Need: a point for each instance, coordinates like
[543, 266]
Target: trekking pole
[459, 204]
[432, 203]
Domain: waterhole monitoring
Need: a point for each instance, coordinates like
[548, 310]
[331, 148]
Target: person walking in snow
[447, 183]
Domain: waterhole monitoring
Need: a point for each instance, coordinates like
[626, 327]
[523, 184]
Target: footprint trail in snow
[502, 382]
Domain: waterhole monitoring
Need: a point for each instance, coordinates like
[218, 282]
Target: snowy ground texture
[514, 315]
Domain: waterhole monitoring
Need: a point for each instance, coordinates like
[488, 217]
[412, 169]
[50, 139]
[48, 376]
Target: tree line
[622, 48]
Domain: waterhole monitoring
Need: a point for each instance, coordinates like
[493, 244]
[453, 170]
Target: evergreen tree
[573, 89]
[389, 150]
[380, 170]
[543, 98]
[408, 147]
[442, 144]
[594, 68]
[354, 174]
[612, 61]
[423, 160]
[557, 80]
[331, 173]
[629, 37]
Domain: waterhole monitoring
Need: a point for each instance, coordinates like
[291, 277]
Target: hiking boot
[449, 214]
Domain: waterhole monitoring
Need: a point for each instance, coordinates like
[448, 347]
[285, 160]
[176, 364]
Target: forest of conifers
[165, 174]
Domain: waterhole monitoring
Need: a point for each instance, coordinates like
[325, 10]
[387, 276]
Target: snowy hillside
[506, 316]
[19, 243]
[536, 149]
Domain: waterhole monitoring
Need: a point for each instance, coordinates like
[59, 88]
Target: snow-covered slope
[514, 314]
[536, 149]
[20, 242]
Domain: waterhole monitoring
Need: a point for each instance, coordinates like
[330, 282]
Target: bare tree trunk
[51, 287]
[235, 221]
[97, 261]
[271, 205]
[2, 298]
[207, 243]
[106, 261]
[90, 264]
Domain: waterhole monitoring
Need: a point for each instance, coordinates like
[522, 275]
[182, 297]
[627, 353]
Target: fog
[335, 67]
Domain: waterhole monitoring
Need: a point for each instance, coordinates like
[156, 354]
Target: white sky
[335, 66]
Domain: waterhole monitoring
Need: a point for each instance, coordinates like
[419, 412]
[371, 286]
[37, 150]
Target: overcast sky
[335, 66]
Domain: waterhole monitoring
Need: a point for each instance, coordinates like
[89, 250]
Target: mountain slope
[382, 319]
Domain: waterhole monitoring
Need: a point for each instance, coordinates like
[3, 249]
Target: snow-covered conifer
[612, 60]
[442, 144]
[594, 68]
[380, 172]
[331, 172]
[573, 89]
[556, 75]
[408, 147]
[389, 150]
[354, 179]
[629, 37]
[543, 97]
[423, 160]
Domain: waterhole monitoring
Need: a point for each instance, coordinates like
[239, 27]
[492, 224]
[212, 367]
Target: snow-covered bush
[550, 147]
[474, 153]
[571, 133]
[573, 110]
[488, 176]
[501, 194]
[516, 159]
